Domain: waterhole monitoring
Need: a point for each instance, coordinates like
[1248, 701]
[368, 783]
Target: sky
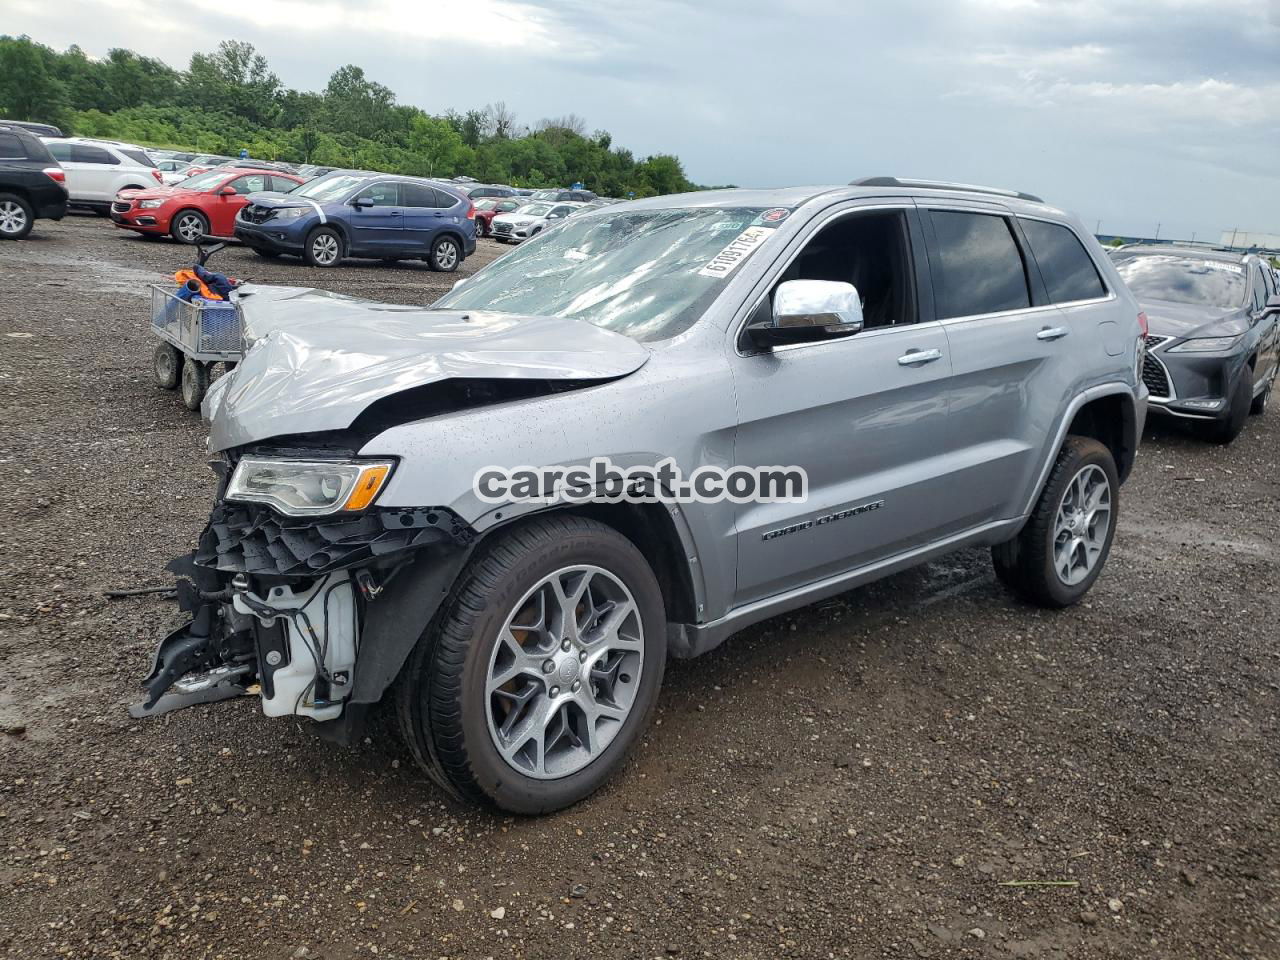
[1131, 113]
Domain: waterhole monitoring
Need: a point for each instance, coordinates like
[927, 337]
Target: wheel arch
[1112, 420]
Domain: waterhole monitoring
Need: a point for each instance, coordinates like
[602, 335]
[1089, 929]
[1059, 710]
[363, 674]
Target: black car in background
[39, 129]
[32, 184]
[1213, 333]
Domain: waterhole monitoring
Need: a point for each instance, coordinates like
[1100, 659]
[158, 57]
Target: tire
[445, 255]
[264, 253]
[189, 226]
[16, 217]
[452, 715]
[481, 229]
[101, 211]
[1228, 428]
[1031, 563]
[166, 365]
[195, 382]
[1258, 406]
[323, 248]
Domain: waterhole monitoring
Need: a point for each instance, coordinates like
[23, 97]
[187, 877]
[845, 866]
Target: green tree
[355, 104]
[28, 89]
[236, 79]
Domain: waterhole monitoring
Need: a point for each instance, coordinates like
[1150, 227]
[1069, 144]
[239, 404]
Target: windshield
[546, 194]
[203, 181]
[1213, 283]
[327, 189]
[535, 209]
[648, 274]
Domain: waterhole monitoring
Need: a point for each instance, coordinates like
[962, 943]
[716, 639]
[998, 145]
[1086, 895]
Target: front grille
[1156, 378]
[122, 206]
[502, 228]
[256, 214]
[1153, 340]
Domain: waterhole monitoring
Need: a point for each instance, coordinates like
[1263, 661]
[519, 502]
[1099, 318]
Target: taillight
[1142, 322]
[158, 175]
[471, 212]
[56, 174]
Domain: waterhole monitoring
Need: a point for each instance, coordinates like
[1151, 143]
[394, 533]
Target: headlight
[291, 213]
[302, 488]
[149, 204]
[1205, 345]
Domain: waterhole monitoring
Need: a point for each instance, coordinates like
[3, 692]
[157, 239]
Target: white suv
[98, 169]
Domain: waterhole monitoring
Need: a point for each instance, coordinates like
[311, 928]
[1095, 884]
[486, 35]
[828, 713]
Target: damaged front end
[316, 614]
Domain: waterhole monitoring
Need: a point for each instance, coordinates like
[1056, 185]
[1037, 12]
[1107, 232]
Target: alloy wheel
[190, 229]
[446, 255]
[1082, 524]
[324, 249]
[564, 672]
[13, 219]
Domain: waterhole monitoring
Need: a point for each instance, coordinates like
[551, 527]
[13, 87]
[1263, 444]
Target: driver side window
[872, 251]
[382, 194]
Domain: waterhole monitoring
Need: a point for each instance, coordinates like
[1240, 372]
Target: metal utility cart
[194, 337]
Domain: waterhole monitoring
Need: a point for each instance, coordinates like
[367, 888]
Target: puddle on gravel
[95, 276]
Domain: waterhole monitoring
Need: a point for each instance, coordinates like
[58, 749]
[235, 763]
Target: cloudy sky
[1129, 112]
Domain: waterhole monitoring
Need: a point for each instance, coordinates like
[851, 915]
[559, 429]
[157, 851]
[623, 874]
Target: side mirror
[808, 311]
[555, 216]
[361, 203]
[227, 191]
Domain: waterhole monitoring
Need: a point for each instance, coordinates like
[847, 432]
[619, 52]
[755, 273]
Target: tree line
[230, 99]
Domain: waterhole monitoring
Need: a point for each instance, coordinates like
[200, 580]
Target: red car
[205, 204]
[489, 207]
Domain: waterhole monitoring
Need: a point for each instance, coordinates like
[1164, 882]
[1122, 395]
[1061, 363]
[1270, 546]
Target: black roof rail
[941, 185]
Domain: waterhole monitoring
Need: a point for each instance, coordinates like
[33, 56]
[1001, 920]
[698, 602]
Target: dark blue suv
[356, 214]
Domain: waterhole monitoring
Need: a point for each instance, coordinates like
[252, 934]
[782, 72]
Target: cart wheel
[166, 364]
[195, 381]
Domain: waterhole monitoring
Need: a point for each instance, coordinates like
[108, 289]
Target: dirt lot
[862, 779]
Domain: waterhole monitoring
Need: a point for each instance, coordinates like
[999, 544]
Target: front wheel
[189, 226]
[1061, 551]
[542, 669]
[324, 248]
[1229, 426]
[445, 255]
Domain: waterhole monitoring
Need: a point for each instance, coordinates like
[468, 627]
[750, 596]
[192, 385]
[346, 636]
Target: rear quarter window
[976, 264]
[138, 157]
[1068, 270]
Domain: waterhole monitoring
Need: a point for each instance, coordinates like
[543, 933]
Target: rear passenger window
[11, 147]
[83, 153]
[977, 266]
[1067, 269]
[282, 184]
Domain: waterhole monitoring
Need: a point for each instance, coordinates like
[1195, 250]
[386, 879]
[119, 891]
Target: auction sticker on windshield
[738, 249]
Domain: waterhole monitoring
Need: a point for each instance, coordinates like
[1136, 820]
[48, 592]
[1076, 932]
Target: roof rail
[941, 185]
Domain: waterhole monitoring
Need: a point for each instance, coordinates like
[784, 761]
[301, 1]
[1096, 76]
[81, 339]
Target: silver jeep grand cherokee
[952, 366]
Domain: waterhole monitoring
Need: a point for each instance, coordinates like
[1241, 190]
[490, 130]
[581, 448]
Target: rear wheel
[324, 248]
[16, 217]
[481, 229]
[445, 255]
[1061, 551]
[166, 365]
[195, 383]
[189, 226]
[541, 670]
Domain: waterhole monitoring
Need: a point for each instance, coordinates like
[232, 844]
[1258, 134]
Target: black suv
[32, 184]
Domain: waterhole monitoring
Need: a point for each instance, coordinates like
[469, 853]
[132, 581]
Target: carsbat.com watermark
[602, 480]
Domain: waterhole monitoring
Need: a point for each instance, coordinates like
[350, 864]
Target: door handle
[913, 357]
[1052, 333]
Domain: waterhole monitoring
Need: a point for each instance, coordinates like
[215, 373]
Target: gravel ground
[869, 777]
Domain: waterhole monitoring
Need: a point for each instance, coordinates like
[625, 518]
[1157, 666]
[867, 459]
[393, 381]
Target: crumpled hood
[315, 360]
[1168, 319]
